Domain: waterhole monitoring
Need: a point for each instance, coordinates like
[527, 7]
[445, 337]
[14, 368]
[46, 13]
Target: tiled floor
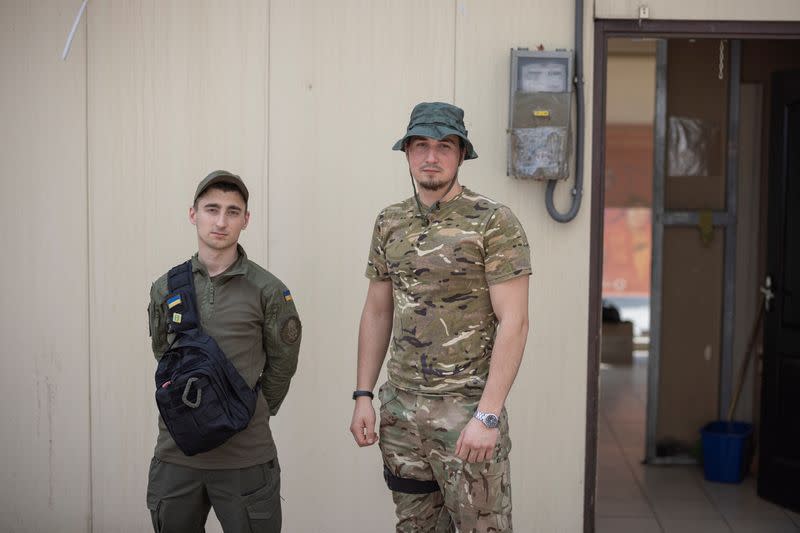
[633, 498]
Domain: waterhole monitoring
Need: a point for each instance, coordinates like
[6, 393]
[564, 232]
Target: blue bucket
[726, 450]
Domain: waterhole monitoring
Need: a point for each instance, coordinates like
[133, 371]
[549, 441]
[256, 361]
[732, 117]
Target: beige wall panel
[547, 404]
[631, 89]
[44, 407]
[343, 78]
[176, 89]
[780, 10]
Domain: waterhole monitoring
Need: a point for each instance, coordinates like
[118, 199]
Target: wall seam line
[455, 47]
[88, 269]
[266, 156]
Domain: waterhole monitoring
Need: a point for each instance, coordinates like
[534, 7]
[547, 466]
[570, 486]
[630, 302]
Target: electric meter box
[539, 118]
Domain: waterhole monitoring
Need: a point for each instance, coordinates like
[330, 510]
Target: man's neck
[431, 197]
[217, 261]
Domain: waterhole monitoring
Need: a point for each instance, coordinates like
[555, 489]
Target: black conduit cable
[577, 190]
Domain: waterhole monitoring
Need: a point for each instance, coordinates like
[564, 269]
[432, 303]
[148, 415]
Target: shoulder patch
[290, 330]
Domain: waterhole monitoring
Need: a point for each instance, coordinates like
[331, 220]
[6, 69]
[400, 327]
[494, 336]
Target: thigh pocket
[155, 490]
[157, 487]
[264, 505]
[155, 514]
[486, 487]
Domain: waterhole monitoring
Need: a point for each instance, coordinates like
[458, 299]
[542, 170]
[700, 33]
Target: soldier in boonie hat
[443, 280]
[441, 124]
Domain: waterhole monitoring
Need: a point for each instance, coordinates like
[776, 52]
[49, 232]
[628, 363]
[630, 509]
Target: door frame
[603, 30]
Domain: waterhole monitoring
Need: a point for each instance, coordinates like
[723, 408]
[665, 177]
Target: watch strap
[483, 418]
[358, 393]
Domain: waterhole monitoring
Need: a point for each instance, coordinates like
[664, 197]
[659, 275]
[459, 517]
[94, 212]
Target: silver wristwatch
[489, 420]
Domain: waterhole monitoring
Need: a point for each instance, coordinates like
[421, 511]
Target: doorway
[734, 288]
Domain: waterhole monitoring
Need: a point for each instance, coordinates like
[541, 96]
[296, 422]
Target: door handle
[766, 290]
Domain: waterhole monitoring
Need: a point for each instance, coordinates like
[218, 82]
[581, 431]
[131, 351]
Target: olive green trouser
[244, 499]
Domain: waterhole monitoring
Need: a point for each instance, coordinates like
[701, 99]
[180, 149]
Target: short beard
[436, 186]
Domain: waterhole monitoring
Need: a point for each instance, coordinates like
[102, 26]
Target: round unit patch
[290, 331]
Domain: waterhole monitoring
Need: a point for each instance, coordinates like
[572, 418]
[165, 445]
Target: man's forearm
[276, 387]
[275, 384]
[512, 333]
[374, 333]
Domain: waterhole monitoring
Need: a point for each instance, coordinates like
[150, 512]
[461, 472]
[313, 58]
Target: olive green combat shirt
[251, 315]
[444, 326]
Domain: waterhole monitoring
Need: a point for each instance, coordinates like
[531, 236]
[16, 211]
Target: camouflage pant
[418, 439]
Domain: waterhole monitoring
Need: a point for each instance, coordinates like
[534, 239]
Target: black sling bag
[202, 398]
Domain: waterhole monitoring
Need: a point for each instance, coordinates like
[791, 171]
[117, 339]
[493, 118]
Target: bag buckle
[185, 396]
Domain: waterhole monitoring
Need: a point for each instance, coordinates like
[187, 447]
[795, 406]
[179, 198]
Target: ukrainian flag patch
[173, 301]
[287, 296]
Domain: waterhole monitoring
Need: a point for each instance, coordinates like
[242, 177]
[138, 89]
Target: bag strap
[182, 314]
[180, 282]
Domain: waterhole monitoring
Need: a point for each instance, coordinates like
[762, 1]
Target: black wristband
[358, 393]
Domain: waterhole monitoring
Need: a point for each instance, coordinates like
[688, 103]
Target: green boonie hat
[436, 120]
[221, 176]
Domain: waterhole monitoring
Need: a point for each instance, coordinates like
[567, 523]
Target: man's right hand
[363, 425]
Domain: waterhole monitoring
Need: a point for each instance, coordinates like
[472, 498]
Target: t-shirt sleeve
[376, 263]
[506, 248]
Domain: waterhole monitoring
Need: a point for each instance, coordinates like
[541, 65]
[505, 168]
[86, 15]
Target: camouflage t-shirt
[444, 325]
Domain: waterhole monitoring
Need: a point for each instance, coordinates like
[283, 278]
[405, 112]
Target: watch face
[491, 421]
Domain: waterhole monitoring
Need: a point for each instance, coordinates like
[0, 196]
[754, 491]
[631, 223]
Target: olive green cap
[221, 176]
[436, 120]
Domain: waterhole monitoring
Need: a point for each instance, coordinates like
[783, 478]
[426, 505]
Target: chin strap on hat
[435, 205]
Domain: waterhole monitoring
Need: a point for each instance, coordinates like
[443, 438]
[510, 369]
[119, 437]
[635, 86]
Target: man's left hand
[476, 442]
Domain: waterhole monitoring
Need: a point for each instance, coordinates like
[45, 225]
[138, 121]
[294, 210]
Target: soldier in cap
[448, 296]
[251, 315]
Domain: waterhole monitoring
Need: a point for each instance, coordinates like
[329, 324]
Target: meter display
[539, 114]
[542, 76]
